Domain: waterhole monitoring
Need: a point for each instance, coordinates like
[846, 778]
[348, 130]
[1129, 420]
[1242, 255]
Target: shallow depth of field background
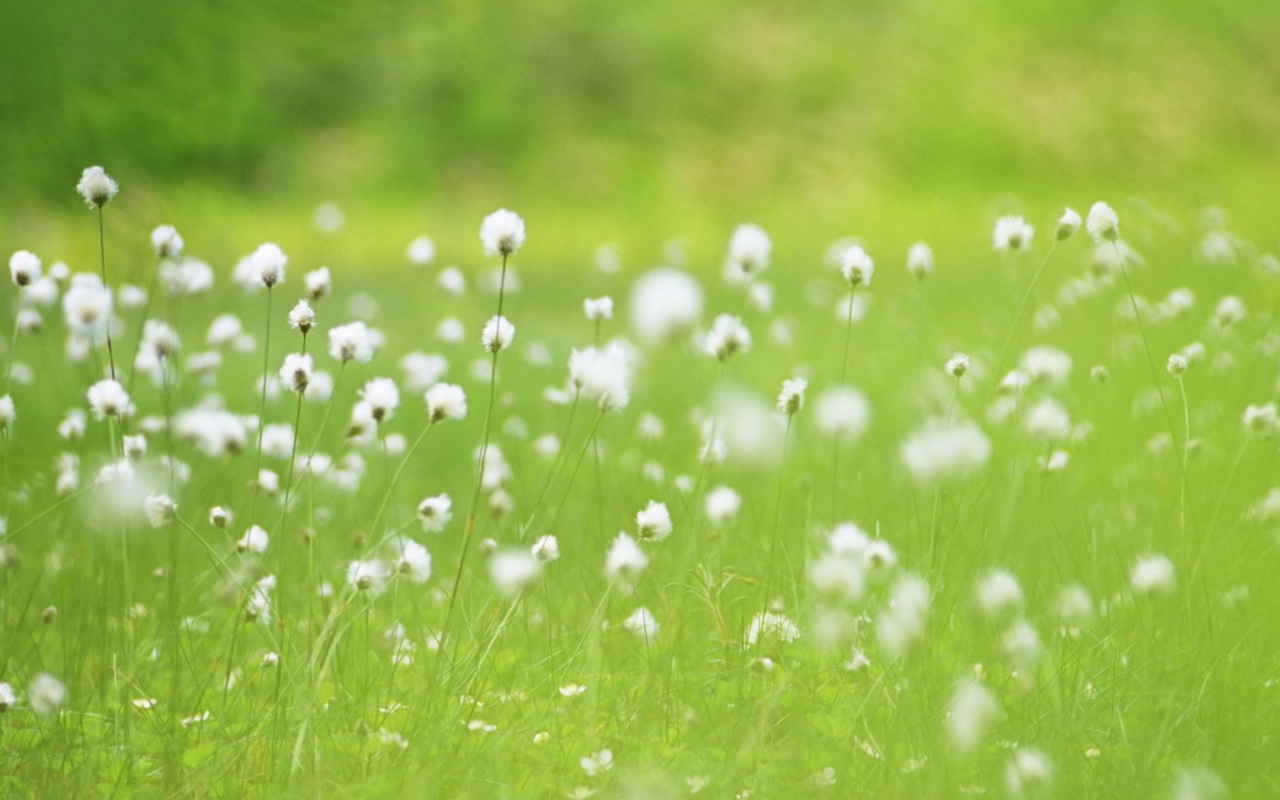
[651, 123]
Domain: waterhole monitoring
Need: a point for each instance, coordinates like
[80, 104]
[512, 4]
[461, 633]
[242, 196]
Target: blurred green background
[638, 121]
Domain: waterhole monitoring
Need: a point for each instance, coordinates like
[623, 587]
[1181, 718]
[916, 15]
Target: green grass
[1154, 684]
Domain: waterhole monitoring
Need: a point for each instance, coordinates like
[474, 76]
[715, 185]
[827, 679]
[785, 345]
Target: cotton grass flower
[920, 260]
[749, 252]
[842, 411]
[46, 694]
[1012, 233]
[498, 334]
[296, 372]
[546, 548]
[268, 263]
[434, 513]
[1153, 575]
[351, 342]
[598, 309]
[939, 452]
[998, 594]
[722, 505]
[446, 401]
[167, 242]
[1028, 772]
[654, 522]
[8, 413]
[604, 375]
[302, 317]
[957, 365]
[1103, 223]
[856, 266]
[96, 187]
[665, 303]
[642, 623]
[502, 233]
[160, 509]
[369, 576]
[24, 268]
[411, 559]
[383, 398]
[255, 540]
[107, 398]
[971, 714]
[1068, 224]
[318, 283]
[791, 398]
[625, 560]
[772, 626]
[902, 622]
[727, 336]
[512, 571]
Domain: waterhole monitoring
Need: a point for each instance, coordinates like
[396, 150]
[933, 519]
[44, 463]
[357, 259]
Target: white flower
[1068, 224]
[513, 570]
[220, 517]
[998, 593]
[603, 374]
[502, 232]
[167, 242]
[791, 398]
[1028, 772]
[422, 371]
[383, 398]
[421, 251]
[625, 560]
[107, 398]
[7, 697]
[971, 713]
[1047, 365]
[255, 540]
[302, 316]
[1103, 223]
[46, 694]
[772, 625]
[957, 365]
[452, 282]
[722, 504]
[368, 576]
[842, 411]
[412, 559]
[546, 548]
[296, 372]
[1177, 364]
[856, 266]
[498, 334]
[920, 260]
[7, 413]
[446, 401]
[938, 452]
[727, 336]
[24, 267]
[749, 251]
[654, 521]
[96, 187]
[160, 509]
[268, 263]
[1047, 421]
[87, 308]
[1152, 575]
[351, 341]
[598, 309]
[223, 329]
[1012, 233]
[597, 763]
[642, 623]
[434, 513]
[317, 283]
[902, 621]
[665, 303]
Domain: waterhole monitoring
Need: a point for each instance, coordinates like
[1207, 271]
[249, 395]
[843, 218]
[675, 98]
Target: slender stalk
[262, 408]
[102, 251]
[777, 513]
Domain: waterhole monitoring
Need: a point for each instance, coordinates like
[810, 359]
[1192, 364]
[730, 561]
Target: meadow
[991, 513]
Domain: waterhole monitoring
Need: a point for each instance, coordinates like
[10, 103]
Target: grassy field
[1046, 576]
[799, 510]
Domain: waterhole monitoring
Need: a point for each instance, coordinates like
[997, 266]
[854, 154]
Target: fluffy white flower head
[856, 266]
[268, 264]
[1103, 223]
[351, 341]
[24, 268]
[502, 232]
[498, 334]
[167, 242]
[791, 398]
[654, 521]
[1012, 233]
[302, 317]
[446, 401]
[96, 187]
[108, 398]
[1068, 224]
